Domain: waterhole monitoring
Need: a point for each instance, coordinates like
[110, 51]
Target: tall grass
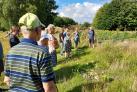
[110, 67]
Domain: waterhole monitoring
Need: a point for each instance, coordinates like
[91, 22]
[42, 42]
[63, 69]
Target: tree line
[12, 10]
[118, 14]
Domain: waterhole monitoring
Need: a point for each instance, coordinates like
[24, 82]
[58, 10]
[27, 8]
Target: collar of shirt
[29, 41]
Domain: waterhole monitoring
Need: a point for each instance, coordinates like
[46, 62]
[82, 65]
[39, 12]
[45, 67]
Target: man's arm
[49, 86]
[47, 74]
[7, 80]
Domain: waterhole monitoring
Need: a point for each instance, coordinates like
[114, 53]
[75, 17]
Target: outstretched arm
[47, 74]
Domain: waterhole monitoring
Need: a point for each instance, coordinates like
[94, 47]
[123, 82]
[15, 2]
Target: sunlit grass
[109, 67]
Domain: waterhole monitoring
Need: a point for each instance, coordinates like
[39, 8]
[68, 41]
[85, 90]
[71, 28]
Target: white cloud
[84, 12]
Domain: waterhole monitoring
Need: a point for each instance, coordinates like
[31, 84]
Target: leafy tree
[45, 10]
[58, 21]
[127, 16]
[68, 21]
[101, 20]
[9, 11]
[86, 24]
[116, 14]
[63, 21]
[12, 10]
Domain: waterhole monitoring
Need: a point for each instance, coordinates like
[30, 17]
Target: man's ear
[37, 30]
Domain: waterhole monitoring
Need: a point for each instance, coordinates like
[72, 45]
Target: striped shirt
[28, 66]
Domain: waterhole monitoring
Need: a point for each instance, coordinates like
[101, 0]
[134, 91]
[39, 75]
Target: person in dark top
[28, 67]
[91, 35]
[1, 59]
[67, 45]
[76, 38]
[61, 39]
[65, 32]
[13, 39]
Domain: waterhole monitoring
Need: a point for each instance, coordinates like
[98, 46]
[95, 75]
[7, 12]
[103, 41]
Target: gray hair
[24, 29]
[50, 26]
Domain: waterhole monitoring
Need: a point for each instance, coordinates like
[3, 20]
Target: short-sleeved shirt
[76, 36]
[67, 44]
[91, 34]
[13, 40]
[64, 34]
[28, 66]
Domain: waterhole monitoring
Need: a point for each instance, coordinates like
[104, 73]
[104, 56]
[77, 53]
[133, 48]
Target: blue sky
[79, 10]
[67, 2]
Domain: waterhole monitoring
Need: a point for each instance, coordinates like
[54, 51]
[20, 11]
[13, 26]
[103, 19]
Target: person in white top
[44, 38]
[52, 43]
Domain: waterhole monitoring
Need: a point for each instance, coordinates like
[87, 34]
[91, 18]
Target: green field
[109, 67]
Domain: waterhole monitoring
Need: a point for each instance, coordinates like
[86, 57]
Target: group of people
[30, 61]
[65, 40]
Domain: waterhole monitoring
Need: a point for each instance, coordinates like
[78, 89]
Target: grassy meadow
[109, 67]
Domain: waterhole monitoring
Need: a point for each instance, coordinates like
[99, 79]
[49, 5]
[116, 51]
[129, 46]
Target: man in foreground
[28, 67]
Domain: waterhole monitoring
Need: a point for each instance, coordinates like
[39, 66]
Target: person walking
[28, 66]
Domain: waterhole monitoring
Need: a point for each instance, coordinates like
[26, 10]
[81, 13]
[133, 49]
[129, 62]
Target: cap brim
[42, 25]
